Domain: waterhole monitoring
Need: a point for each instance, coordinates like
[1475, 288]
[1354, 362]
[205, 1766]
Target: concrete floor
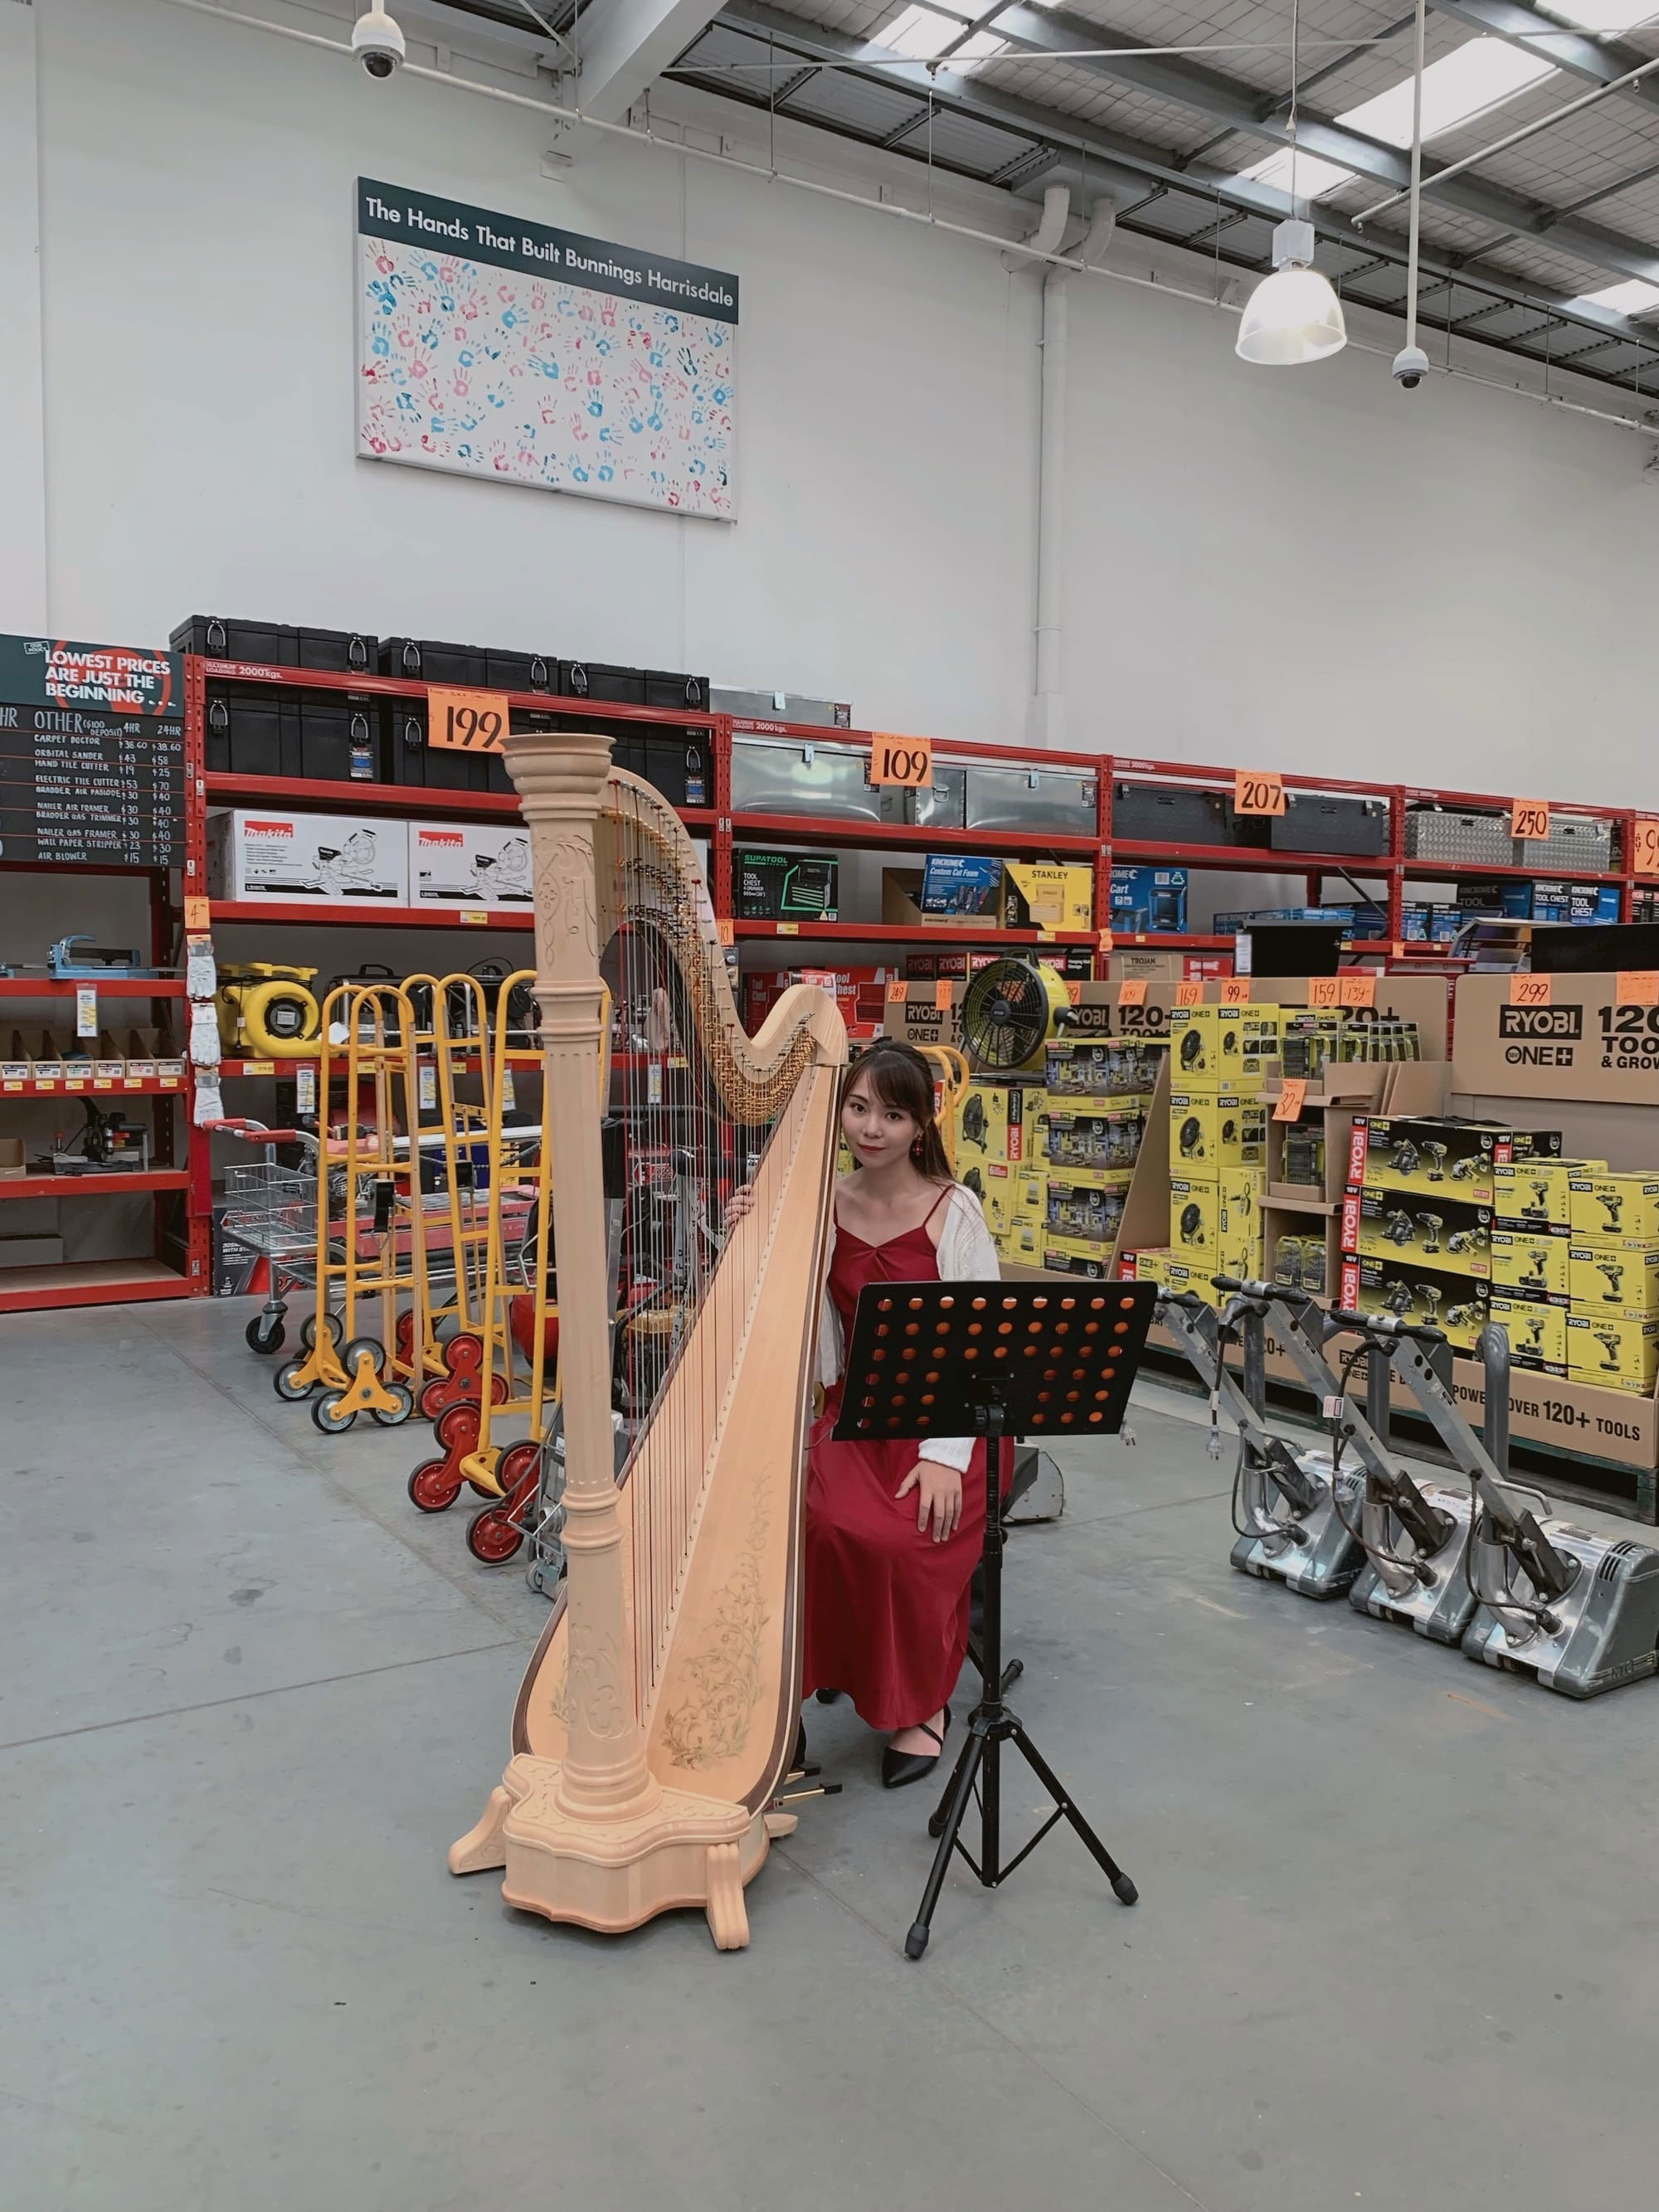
[1395, 1940]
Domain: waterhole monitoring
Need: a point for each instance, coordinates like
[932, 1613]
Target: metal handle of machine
[257, 1132]
[1264, 1294]
[1373, 1324]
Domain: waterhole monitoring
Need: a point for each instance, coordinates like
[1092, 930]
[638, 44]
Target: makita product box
[470, 865]
[341, 860]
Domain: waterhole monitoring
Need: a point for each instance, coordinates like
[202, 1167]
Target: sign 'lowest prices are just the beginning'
[491, 346]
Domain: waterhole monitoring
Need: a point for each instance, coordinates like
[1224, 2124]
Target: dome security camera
[1411, 366]
[377, 42]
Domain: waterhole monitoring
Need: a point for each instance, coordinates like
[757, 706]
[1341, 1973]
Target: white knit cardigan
[965, 1254]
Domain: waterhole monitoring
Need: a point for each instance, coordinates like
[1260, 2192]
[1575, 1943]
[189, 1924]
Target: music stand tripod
[993, 1360]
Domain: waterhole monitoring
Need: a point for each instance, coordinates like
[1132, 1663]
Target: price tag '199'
[465, 721]
[907, 761]
[1644, 845]
[1530, 990]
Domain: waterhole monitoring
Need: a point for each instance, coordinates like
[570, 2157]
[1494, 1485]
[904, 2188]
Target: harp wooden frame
[658, 1713]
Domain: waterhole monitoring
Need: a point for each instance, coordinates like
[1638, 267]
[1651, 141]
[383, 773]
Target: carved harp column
[604, 1775]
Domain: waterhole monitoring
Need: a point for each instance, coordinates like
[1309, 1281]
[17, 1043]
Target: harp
[658, 1713]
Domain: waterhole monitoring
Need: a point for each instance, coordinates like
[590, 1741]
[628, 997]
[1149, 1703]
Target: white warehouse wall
[1306, 568]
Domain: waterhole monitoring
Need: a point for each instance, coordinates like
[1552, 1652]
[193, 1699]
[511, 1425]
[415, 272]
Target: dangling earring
[916, 1149]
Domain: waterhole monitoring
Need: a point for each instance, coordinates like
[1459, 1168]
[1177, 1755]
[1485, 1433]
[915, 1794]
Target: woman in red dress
[894, 1529]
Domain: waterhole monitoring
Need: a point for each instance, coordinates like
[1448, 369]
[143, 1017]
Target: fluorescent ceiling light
[1456, 89]
[1314, 178]
[921, 32]
[1633, 297]
[1606, 14]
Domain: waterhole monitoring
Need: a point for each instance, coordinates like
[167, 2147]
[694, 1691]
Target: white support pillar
[22, 399]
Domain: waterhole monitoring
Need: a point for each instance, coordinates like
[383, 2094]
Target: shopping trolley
[270, 1210]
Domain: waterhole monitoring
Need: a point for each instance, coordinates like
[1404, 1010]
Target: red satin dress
[886, 1606]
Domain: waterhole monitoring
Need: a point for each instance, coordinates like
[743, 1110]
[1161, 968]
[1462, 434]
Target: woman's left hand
[940, 1489]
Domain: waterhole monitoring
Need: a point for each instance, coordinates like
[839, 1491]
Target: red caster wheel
[435, 1486]
[496, 1534]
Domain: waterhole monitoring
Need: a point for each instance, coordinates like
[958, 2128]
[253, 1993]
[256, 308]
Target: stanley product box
[786, 886]
[1448, 1158]
[1619, 1353]
[1450, 1233]
[1612, 1277]
[1605, 1205]
[1537, 1194]
[991, 1123]
[1215, 1129]
[1413, 1291]
[1223, 1047]
[343, 860]
[957, 885]
[1537, 1334]
[1532, 1264]
[462, 864]
[1037, 896]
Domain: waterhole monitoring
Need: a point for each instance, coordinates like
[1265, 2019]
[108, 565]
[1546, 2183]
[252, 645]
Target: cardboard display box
[1088, 1211]
[467, 864]
[1535, 1192]
[959, 886]
[1582, 1045]
[1448, 1233]
[1537, 1334]
[1614, 1277]
[1041, 895]
[1614, 1351]
[1102, 1069]
[1414, 1291]
[786, 886]
[1223, 1048]
[1214, 1130]
[278, 854]
[1438, 1155]
[991, 1122]
[1094, 1133]
[1531, 1264]
[1603, 1204]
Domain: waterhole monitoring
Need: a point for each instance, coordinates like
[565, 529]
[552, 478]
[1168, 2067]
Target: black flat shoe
[800, 1759]
[899, 1768]
[827, 1697]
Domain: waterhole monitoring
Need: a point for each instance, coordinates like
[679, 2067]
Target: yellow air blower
[1008, 1011]
[267, 1011]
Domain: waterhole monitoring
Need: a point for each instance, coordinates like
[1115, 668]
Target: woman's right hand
[740, 1205]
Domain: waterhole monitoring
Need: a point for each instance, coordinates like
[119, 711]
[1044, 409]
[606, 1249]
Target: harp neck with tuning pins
[660, 1711]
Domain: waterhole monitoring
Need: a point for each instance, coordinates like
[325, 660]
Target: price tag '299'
[465, 721]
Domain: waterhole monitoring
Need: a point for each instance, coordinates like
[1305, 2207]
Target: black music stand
[993, 1360]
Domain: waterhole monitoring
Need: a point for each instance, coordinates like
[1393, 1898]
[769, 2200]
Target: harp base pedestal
[615, 1874]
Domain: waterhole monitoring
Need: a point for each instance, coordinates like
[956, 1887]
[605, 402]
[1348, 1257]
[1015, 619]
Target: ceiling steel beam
[1600, 61]
[1206, 92]
[1097, 155]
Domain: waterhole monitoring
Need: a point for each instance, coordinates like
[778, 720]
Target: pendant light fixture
[1294, 315]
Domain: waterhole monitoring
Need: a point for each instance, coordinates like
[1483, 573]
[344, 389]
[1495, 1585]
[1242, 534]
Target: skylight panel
[1457, 88]
[1606, 14]
[1314, 176]
[1633, 297]
[921, 32]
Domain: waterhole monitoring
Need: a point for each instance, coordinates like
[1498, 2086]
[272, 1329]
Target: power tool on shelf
[79, 960]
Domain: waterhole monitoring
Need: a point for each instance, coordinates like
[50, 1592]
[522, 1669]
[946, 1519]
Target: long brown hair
[900, 1078]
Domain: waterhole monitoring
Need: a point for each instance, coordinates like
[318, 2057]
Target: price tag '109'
[906, 761]
[465, 721]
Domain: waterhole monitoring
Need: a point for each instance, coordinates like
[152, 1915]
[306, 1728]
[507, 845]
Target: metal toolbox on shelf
[1440, 833]
[247, 731]
[677, 763]
[409, 760]
[1182, 814]
[1007, 797]
[1576, 844]
[781, 707]
[775, 776]
[277, 645]
[940, 804]
[1314, 821]
[633, 687]
[425, 660]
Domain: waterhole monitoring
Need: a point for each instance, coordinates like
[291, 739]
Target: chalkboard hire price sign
[465, 721]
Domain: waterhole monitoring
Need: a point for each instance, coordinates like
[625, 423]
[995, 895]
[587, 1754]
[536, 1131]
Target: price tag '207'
[466, 721]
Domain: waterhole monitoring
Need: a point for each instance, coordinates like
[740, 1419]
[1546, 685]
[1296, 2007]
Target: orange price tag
[1073, 989]
[942, 997]
[1530, 990]
[1289, 1107]
[1132, 993]
[465, 721]
[1189, 994]
[1255, 791]
[1638, 987]
[725, 933]
[1356, 990]
[1644, 845]
[1235, 990]
[899, 992]
[1324, 991]
[1104, 940]
[197, 916]
[1530, 817]
[900, 760]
